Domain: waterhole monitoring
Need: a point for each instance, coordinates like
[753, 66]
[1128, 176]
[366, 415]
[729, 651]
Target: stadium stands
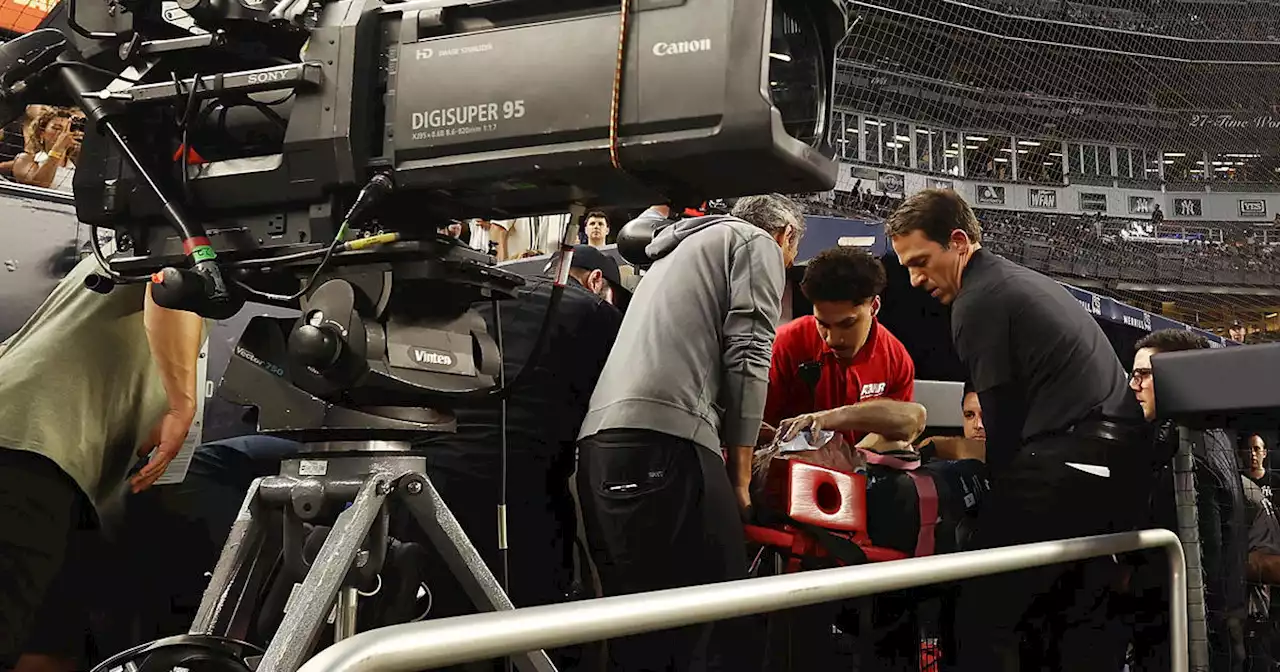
[1131, 147]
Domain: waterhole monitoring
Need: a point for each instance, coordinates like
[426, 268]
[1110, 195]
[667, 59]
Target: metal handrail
[450, 641]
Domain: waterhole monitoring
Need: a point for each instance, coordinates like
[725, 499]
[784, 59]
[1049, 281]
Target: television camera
[306, 152]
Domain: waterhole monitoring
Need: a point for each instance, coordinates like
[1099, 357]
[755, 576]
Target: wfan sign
[1044, 199]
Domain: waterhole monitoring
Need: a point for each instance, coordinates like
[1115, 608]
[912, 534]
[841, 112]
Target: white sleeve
[504, 224]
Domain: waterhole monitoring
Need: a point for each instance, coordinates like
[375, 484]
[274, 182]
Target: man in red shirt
[840, 354]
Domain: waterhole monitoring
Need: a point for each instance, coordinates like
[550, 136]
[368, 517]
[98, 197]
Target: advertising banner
[1142, 205]
[1253, 207]
[891, 183]
[1186, 207]
[1093, 202]
[990, 195]
[1042, 199]
[1114, 311]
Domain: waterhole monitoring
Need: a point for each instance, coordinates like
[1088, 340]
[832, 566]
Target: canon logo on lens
[686, 47]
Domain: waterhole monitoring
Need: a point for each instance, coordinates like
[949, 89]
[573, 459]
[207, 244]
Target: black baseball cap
[589, 258]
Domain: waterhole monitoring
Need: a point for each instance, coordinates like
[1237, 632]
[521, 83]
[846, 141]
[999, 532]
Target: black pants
[660, 513]
[40, 507]
[1057, 617]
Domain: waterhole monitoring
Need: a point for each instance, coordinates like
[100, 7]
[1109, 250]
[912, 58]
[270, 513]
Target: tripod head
[369, 359]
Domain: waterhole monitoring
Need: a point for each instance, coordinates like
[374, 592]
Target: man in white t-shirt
[489, 236]
[514, 237]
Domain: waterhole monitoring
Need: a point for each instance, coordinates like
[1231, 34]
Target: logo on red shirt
[872, 390]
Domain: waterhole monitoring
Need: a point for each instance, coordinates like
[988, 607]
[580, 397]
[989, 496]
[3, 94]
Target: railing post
[1179, 658]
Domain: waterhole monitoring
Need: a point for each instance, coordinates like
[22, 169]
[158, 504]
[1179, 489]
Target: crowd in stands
[1105, 246]
[1161, 17]
[855, 203]
[1208, 252]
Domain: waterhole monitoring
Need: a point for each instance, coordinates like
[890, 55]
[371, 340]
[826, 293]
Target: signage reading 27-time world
[464, 119]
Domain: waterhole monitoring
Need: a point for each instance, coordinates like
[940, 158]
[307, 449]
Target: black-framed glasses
[1139, 375]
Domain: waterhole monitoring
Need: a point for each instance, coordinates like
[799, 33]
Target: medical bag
[922, 508]
[897, 507]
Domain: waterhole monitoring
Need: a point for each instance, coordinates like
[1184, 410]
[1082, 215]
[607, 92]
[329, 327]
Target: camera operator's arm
[174, 337]
[756, 276]
[892, 420]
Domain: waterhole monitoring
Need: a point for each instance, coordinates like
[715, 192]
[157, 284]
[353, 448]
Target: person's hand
[165, 441]
[791, 427]
[69, 139]
[743, 495]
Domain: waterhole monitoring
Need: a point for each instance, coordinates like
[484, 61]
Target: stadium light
[1028, 143]
[976, 138]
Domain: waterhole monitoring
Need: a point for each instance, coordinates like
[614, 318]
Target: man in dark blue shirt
[1059, 418]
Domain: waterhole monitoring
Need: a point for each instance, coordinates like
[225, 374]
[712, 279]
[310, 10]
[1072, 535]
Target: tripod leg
[451, 542]
[239, 553]
[309, 612]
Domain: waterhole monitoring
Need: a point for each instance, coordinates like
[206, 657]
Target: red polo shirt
[882, 368]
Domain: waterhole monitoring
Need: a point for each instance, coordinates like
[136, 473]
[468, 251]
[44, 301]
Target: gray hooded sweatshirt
[692, 356]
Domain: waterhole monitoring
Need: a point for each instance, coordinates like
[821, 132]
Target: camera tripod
[356, 380]
[373, 477]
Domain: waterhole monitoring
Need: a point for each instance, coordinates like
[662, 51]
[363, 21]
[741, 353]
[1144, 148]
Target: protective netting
[1121, 104]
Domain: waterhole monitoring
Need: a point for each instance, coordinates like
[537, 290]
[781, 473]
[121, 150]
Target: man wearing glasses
[1220, 509]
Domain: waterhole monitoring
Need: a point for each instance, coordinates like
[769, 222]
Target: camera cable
[374, 190]
[503, 552]
[619, 70]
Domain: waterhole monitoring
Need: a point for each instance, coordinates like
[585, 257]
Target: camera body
[306, 152]
[496, 109]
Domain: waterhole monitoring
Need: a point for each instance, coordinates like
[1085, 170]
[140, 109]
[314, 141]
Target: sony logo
[685, 47]
[262, 77]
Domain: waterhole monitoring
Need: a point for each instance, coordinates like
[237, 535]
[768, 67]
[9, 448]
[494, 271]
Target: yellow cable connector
[380, 239]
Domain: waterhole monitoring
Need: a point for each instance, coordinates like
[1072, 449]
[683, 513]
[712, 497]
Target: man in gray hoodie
[681, 394]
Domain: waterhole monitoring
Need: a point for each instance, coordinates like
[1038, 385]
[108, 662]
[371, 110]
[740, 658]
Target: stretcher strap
[927, 493]
[885, 460]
